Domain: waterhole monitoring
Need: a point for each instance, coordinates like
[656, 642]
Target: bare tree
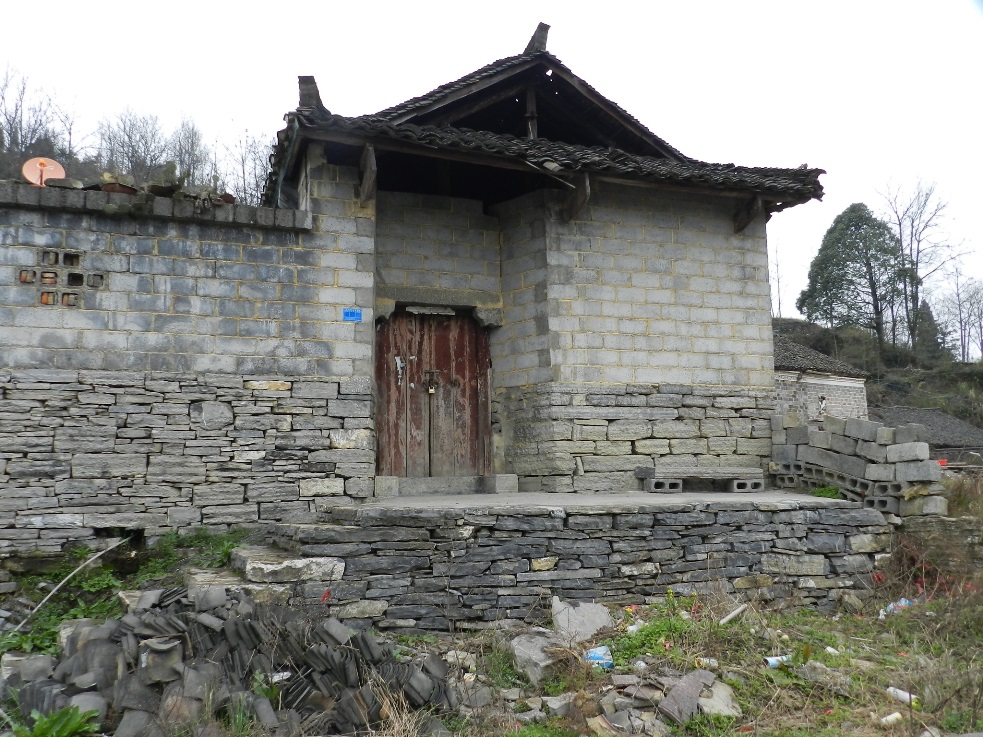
[916, 217]
[186, 148]
[133, 144]
[247, 165]
[953, 309]
[26, 129]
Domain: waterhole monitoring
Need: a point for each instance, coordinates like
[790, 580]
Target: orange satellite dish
[39, 169]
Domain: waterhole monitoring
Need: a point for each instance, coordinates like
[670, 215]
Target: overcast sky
[876, 92]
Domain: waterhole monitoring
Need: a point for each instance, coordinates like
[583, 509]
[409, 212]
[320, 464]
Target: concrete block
[907, 452]
[885, 436]
[910, 433]
[862, 429]
[842, 444]
[873, 452]
[790, 420]
[797, 435]
[879, 472]
[819, 438]
[886, 504]
[662, 486]
[918, 471]
[924, 505]
[835, 425]
[742, 485]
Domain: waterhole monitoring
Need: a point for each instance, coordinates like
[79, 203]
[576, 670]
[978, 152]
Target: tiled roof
[503, 65]
[557, 157]
[783, 187]
[790, 356]
[944, 430]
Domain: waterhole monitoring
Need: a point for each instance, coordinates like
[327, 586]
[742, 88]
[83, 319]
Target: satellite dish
[38, 169]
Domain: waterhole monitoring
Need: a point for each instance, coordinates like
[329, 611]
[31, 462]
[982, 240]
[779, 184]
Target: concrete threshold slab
[621, 502]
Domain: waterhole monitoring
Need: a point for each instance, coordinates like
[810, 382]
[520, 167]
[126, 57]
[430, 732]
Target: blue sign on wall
[352, 314]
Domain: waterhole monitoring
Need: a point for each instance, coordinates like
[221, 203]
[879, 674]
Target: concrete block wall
[175, 294]
[885, 468]
[85, 453]
[647, 287]
[648, 310]
[798, 393]
[441, 243]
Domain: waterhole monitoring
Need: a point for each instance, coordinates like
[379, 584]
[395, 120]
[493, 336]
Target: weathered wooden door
[432, 413]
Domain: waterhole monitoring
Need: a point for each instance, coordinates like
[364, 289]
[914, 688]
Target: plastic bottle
[904, 697]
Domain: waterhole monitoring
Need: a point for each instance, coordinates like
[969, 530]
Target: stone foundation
[592, 437]
[449, 563]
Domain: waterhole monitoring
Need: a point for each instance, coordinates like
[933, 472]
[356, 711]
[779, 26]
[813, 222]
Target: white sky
[873, 91]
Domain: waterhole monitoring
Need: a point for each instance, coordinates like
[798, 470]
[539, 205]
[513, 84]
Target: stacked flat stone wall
[591, 438]
[90, 453]
[470, 569]
[885, 468]
[798, 393]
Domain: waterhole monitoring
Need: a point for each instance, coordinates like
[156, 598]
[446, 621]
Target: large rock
[683, 699]
[721, 701]
[533, 653]
[581, 620]
[261, 565]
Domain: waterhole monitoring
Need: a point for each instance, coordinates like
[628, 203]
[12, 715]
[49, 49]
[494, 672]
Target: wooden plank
[366, 190]
[747, 212]
[468, 91]
[531, 122]
[418, 401]
[578, 198]
[483, 403]
[459, 113]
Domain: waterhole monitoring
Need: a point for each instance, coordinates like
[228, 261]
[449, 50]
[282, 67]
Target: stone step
[496, 483]
[262, 564]
[262, 593]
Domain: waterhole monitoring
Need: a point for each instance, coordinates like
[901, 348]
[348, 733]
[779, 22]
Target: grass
[91, 593]
[827, 492]
[965, 495]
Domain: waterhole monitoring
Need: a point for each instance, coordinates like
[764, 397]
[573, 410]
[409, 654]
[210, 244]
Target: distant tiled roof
[790, 356]
[943, 429]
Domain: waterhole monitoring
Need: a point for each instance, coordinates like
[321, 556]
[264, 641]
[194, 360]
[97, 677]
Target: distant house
[813, 384]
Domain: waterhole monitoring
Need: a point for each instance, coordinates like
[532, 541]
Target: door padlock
[431, 382]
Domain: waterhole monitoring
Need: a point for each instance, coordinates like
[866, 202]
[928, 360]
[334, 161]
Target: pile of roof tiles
[180, 658]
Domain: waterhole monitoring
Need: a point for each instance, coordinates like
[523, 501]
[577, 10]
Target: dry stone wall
[474, 568]
[591, 438]
[85, 453]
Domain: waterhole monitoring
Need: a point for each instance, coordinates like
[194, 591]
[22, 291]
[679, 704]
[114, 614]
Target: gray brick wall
[170, 291]
[439, 242]
[649, 287]
[799, 394]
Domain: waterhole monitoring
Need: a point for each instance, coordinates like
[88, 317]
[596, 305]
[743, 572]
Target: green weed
[498, 665]
[544, 730]
[67, 722]
[827, 492]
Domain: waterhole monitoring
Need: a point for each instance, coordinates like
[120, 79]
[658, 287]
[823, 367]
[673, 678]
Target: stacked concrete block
[592, 438]
[412, 568]
[90, 452]
[870, 463]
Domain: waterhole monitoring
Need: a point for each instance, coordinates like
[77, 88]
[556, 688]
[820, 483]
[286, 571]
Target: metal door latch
[431, 381]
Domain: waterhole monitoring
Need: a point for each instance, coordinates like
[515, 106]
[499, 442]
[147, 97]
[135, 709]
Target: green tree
[854, 279]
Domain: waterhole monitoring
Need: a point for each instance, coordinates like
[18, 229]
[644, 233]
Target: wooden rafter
[532, 128]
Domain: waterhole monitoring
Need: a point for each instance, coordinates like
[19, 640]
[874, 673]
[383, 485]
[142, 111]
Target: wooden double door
[432, 380]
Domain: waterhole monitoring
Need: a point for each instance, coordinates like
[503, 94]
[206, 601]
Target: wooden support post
[577, 198]
[532, 127]
[747, 212]
[366, 190]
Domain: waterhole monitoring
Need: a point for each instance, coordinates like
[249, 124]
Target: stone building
[507, 283]
[812, 384]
